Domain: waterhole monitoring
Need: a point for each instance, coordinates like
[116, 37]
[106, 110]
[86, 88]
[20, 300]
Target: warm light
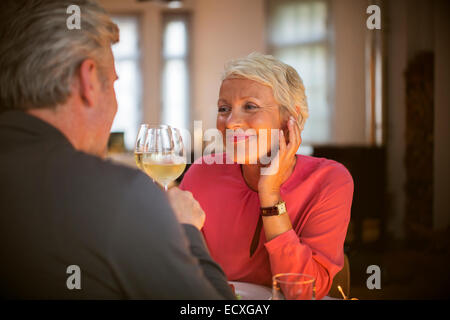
[342, 292]
[175, 4]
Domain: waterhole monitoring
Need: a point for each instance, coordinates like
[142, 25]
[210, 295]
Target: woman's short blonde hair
[287, 86]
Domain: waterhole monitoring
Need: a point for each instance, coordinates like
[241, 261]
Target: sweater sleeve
[211, 270]
[317, 249]
[151, 256]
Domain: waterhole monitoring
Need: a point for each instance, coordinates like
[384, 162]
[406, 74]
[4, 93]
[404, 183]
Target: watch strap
[276, 210]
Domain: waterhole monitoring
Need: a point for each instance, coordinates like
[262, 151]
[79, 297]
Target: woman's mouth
[235, 138]
[240, 138]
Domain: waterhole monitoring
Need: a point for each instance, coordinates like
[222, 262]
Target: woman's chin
[247, 156]
[245, 160]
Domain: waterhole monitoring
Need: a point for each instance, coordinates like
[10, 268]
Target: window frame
[327, 42]
[167, 16]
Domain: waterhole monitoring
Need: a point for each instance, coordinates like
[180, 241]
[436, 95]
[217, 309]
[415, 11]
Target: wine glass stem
[165, 188]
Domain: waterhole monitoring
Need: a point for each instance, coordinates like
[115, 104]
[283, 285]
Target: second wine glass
[140, 144]
[164, 156]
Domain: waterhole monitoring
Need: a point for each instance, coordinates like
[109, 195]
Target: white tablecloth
[250, 291]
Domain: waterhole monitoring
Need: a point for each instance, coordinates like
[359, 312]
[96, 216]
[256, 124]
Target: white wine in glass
[164, 157]
[138, 158]
[163, 171]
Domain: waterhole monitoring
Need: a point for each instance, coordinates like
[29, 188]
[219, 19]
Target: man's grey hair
[39, 55]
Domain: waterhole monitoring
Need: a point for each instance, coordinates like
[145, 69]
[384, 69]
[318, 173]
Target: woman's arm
[269, 185]
[317, 249]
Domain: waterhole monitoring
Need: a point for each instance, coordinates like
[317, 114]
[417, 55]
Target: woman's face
[246, 104]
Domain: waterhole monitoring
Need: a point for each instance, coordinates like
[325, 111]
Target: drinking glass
[293, 286]
[139, 146]
[164, 156]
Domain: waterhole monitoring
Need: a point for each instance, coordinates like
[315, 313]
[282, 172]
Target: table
[251, 291]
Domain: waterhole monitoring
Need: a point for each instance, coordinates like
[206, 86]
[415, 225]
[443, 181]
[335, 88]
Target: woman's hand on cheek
[269, 185]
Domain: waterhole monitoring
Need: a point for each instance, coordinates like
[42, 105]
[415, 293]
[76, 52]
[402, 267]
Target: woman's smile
[239, 137]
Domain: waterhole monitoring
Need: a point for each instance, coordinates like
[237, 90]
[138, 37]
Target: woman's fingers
[282, 143]
[294, 137]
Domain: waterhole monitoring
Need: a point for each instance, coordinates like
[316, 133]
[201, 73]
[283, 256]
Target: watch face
[276, 210]
[281, 208]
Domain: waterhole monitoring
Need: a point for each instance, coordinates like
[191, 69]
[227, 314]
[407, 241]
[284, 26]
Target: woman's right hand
[186, 208]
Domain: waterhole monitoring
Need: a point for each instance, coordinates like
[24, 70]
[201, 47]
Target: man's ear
[89, 82]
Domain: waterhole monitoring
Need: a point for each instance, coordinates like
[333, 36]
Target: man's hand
[186, 208]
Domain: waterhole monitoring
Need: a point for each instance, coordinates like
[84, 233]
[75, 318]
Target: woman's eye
[223, 109]
[250, 106]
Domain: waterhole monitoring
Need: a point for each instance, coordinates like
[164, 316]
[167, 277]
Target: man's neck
[55, 117]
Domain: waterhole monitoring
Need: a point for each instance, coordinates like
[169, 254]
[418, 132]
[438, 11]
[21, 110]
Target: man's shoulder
[103, 192]
[89, 172]
[96, 167]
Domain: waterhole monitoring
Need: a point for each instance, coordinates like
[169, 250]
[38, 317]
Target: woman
[261, 92]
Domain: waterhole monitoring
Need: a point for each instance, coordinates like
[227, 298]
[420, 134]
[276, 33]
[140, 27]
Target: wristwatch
[276, 210]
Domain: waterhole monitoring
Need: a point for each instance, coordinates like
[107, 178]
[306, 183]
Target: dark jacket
[60, 207]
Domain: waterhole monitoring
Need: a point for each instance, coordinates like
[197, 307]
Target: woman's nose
[235, 120]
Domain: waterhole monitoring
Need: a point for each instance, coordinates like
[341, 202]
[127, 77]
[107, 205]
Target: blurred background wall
[220, 30]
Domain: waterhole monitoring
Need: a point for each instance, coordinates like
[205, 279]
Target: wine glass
[139, 146]
[293, 286]
[164, 156]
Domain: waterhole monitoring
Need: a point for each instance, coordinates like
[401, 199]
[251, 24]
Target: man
[73, 226]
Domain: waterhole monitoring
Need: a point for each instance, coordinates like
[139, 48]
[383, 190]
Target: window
[128, 87]
[299, 36]
[175, 72]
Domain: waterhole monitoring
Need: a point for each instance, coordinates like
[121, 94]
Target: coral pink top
[318, 198]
